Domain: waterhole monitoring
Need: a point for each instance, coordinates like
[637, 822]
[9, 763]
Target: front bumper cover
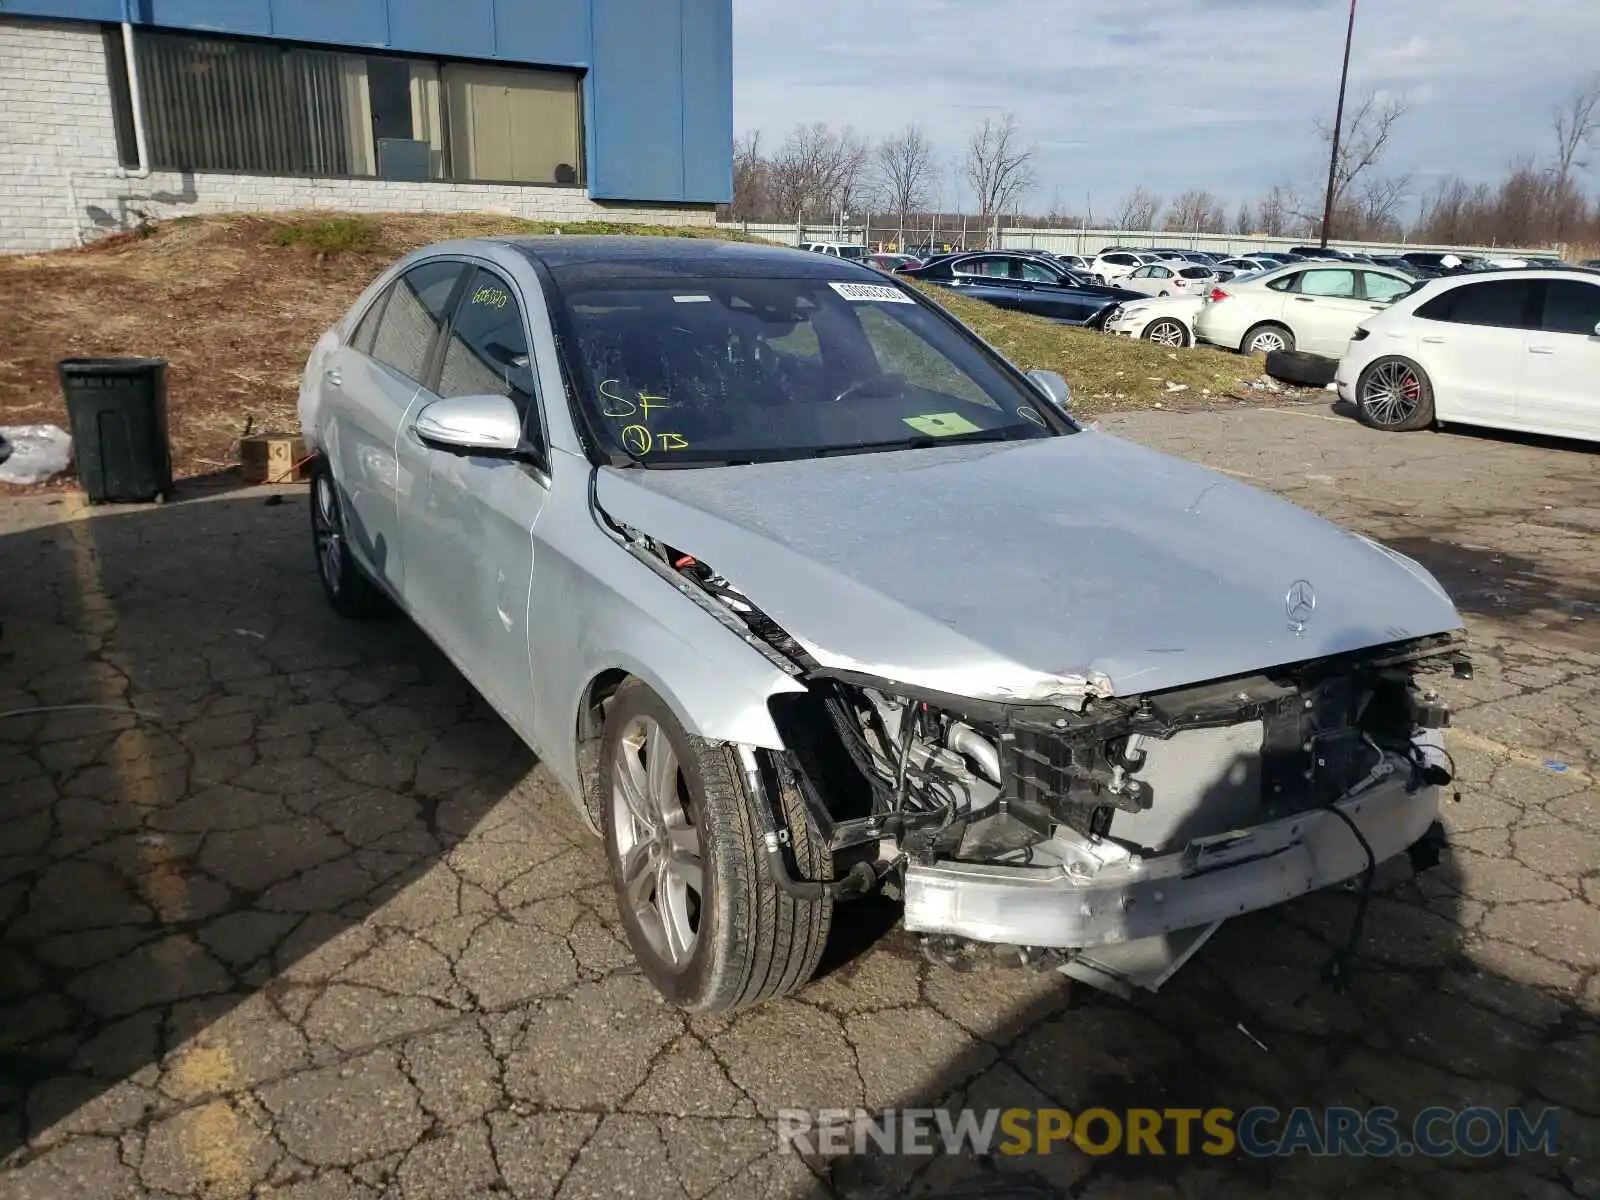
[1211, 879]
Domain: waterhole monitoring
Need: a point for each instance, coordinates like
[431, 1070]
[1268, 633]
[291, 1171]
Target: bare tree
[1244, 221]
[999, 167]
[1138, 210]
[906, 173]
[1380, 199]
[1576, 123]
[1368, 129]
[1195, 211]
[749, 178]
[816, 171]
[1273, 211]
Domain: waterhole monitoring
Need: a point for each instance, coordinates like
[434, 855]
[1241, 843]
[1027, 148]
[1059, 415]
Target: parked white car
[1512, 350]
[1313, 306]
[1115, 264]
[1167, 322]
[1174, 278]
[837, 249]
[1075, 262]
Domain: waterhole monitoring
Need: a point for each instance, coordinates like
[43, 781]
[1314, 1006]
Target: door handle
[1541, 349]
[1433, 341]
[333, 378]
[1304, 300]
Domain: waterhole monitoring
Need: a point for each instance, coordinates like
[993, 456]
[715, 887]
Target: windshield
[705, 371]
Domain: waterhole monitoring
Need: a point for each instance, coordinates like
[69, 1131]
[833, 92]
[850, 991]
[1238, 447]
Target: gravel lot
[320, 926]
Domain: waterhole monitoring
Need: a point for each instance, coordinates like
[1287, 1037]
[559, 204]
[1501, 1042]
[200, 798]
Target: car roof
[596, 258]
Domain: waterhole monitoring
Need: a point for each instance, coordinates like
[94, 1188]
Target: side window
[1121, 260]
[1500, 303]
[1287, 283]
[1034, 273]
[368, 328]
[487, 352]
[1338, 285]
[1160, 273]
[413, 315]
[1571, 306]
[1384, 288]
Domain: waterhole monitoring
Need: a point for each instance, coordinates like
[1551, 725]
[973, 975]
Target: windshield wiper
[923, 442]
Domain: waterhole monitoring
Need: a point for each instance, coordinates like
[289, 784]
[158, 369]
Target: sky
[1169, 94]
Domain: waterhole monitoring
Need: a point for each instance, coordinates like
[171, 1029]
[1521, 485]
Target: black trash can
[118, 411]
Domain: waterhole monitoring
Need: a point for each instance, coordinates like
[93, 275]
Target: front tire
[1394, 394]
[706, 923]
[1167, 332]
[1265, 338]
[348, 590]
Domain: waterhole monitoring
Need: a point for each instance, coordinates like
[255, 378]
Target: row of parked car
[1409, 340]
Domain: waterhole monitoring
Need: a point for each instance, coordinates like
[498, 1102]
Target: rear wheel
[1167, 332]
[1395, 394]
[348, 590]
[1264, 339]
[707, 925]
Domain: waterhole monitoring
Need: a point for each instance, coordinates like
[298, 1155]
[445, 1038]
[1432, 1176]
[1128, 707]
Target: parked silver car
[800, 589]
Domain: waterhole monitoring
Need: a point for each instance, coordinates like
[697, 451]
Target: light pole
[1338, 127]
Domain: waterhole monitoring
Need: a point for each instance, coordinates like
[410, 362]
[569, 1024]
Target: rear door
[369, 385]
[1560, 390]
[1473, 341]
[1325, 310]
[469, 533]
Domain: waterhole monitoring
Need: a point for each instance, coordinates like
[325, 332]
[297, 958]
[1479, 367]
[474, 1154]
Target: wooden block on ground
[273, 458]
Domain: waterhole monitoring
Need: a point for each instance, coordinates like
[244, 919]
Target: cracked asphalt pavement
[316, 925]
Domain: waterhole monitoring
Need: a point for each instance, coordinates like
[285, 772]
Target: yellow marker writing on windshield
[636, 439]
[671, 441]
[647, 401]
[613, 403]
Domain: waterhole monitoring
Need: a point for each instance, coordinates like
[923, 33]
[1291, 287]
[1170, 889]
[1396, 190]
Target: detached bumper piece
[1075, 903]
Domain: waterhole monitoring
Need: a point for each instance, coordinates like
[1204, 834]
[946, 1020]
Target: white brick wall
[60, 182]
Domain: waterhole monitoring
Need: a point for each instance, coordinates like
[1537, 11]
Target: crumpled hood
[1031, 570]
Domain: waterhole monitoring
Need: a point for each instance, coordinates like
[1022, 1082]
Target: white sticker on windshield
[875, 293]
[691, 299]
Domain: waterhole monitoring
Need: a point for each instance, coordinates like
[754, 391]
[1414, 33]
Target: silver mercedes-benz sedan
[804, 592]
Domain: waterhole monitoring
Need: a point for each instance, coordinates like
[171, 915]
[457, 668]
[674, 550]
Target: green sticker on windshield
[941, 424]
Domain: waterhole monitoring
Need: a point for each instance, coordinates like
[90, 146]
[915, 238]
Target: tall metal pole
[1338, 127]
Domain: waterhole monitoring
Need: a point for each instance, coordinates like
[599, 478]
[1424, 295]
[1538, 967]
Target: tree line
[818, 174]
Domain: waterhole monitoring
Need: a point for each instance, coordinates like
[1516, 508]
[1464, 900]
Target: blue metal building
[650, 81]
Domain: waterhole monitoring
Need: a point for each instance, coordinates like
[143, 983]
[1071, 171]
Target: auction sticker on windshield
[941, 424]
[875, 292]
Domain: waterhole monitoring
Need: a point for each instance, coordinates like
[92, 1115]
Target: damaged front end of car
[1106, 834]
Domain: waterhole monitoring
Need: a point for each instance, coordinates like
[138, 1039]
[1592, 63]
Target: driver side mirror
[1053, 387]
[481, 425]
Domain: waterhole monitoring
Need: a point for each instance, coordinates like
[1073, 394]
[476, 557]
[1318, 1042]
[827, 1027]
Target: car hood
[1039, 570]
[1164, 305]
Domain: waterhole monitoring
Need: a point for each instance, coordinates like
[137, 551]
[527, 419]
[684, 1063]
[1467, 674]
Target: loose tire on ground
[1302, 368]
[348, 590]
[1395, 394]
[750, 941]
[1265, 338]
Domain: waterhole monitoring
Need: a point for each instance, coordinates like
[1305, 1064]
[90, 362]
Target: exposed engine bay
[1045, 827]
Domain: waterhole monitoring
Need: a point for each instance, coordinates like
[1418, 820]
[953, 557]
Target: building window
[232, 104]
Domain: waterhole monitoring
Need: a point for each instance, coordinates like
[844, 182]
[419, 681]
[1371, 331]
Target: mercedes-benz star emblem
[1300, 603]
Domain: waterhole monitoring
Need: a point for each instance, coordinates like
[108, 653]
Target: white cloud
[1167, 93]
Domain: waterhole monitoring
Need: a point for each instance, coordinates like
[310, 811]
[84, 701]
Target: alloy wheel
[1267, 341]
[1391, 394]
[325, 528]
[1167, 333]
[658, 846]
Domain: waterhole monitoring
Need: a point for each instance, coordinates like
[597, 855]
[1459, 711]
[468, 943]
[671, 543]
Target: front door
[469, 530]
[1560, 391]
